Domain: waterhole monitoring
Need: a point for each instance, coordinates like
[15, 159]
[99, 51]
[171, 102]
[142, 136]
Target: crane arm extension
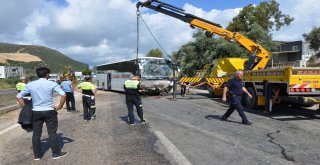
[258, 59]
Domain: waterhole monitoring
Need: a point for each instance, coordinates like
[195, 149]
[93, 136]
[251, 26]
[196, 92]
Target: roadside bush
[12, 80]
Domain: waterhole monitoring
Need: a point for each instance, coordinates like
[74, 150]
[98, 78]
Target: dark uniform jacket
[132, 88]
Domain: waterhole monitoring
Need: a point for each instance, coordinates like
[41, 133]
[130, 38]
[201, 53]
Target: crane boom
[260, 56]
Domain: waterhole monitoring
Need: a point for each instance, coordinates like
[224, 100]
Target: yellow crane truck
[295, 86]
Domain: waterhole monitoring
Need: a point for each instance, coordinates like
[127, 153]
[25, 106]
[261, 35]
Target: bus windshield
[155, 68]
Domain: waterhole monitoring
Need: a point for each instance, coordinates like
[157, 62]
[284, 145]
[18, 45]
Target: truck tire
[251, 102]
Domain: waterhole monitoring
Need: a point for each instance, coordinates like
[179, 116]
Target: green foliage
[9, 82]
[155, 53]
[266, 14]
[260, 36]
[87, 71]
[12, 80]
[312, 59]
[229, 49]
[313, 37]
[52, 59]
[203, 50]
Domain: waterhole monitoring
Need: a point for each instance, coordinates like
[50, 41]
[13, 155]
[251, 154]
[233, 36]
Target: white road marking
[178, 157]
[9, 128]
[218, 137]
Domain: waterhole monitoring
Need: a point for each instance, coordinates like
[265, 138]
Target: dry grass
[23, 57]
[7, 99]
[5, 85]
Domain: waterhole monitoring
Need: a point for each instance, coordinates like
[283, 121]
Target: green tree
[87, 71]
[261, 36]
[155, 53]
[203, 50]
[266, 14]
[313, 37]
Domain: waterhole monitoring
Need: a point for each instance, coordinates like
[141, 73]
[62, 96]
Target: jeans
[70, 98]
[51, 119]
[134, 101]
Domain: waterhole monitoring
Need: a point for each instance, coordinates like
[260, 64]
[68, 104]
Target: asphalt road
[7, 91]
[185, 131]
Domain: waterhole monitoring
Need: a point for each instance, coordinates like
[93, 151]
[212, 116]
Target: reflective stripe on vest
[131, 84]
[86, 86]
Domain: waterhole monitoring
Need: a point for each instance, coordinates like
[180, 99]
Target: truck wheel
[250, 102]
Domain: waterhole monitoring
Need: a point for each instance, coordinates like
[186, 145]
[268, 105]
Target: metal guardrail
[7, 91]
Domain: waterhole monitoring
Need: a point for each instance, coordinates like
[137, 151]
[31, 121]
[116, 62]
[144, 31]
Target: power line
[153, 35]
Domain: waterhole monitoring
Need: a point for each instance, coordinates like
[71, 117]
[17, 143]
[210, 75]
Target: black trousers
[134, 101]
[51, 119]
[235, 103]
[70, 98]
[183, 90]
[89, 107]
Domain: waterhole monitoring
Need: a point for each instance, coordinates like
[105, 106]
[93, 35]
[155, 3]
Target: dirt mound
[23, 57]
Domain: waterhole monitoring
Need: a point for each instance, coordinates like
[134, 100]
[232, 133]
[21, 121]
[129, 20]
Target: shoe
[223, 119]
[247, 123]
[144, 122]
[60, 155]
[37, 158]
[131, 123]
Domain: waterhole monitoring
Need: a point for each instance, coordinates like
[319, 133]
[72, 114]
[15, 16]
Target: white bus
[156, 74]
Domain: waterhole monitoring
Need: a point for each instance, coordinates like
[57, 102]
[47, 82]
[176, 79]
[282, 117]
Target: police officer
[22, 84]
[235, 88]
[25, 116]
[88, 100]
[43, 110]
[132, 88]
[67, 87]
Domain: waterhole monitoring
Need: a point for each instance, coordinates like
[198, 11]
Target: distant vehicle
[156, 74]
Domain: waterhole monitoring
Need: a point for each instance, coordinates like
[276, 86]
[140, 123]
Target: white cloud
[306, 14]
[105, 30]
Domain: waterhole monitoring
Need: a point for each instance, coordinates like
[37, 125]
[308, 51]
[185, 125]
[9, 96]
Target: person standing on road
[43, 110]
[132, 88]
[68, 88]
[183, 88]
[88, 91]
[25, 116]
[235, 88]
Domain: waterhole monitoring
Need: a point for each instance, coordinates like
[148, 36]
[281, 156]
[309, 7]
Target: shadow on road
[45, 143]
[124, 118]
[218, 117]
[287, 113]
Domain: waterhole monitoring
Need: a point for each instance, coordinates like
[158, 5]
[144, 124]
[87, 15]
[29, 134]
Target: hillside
[21, 55]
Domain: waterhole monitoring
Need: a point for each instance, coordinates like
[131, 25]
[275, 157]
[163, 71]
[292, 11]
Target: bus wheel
[250, 102]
